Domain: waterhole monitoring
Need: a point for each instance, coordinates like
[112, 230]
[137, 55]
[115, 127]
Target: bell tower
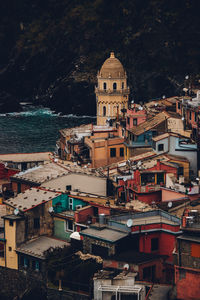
[112, 91]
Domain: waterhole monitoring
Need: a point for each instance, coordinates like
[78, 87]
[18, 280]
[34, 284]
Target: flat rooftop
[26, 157]
[30, 198]
[38, 246]
[149, 217]
[104, 234]
[42, 173]
[52, 170]
[76, 130]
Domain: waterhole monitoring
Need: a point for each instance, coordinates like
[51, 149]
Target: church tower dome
[112, 68]
[112, 91]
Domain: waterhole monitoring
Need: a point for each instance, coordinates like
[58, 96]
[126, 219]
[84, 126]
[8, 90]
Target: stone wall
[88, 242]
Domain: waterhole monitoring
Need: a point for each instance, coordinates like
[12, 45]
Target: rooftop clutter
[125, 190]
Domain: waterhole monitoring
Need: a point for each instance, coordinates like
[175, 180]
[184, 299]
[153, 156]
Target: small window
[114, 86]
[180, 171]
[160, 147]
[1, 250]
[121, 152]
[70, 203]
[11, 222]
[190, 115]
[35, 265]
[122, 85]
[68, 187]
[154, 244]
[113, 152]
[26, 262]
[104, 111]
[36, 223]
[128, 120]
[18, 187]
[9, 248]
[69, 225]
[179, 105]
[104, 86]
[135, 122]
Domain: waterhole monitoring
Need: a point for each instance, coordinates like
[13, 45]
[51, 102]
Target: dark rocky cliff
[51, 49]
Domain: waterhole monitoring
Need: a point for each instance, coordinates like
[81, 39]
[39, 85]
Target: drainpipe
[179, 254]
[5, 245]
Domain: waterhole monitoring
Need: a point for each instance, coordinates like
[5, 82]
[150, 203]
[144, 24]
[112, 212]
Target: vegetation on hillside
[51, 49]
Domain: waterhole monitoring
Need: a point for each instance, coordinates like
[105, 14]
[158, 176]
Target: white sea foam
[32, 111]
[77, 117]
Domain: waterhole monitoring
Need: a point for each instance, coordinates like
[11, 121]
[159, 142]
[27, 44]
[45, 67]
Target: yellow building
[9, 257]
[112, 90]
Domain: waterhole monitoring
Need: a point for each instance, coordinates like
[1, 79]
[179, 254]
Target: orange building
[105, 147]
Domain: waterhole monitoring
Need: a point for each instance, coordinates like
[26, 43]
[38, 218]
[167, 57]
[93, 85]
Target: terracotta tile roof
[31, 198]
[25, 157]
[176, 157]
[149, 124]
[164, 136]
[37, 247]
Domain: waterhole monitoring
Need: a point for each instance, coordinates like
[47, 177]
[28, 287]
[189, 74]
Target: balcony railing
[192, 221]
[111, 91]
[147, 188]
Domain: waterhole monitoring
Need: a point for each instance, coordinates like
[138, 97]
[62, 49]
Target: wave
[43, 111]
[34, 112]
[77, 117]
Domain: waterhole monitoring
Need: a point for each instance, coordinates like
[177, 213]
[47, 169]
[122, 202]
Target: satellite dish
[16, 211]
[129, 223]
[169, 204]
[51, 210]
[132, 101]
[126, 267]
[139, 163]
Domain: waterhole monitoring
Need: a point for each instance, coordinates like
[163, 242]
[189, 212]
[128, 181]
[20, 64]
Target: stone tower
[112, 91]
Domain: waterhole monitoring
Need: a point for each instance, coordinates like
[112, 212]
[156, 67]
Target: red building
[143, 240]
[135, 116]
[6, 172]
[189, 109]
[146, 182]
[187, 257]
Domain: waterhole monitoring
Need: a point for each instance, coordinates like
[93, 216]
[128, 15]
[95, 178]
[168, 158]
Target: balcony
[149, 188]
[191, 222]
[109, 91]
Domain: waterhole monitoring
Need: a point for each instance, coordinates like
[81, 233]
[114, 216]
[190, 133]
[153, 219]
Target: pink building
[135, 116]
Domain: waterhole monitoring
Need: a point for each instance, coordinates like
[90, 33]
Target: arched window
[122, 85]
[104, 111]
[114, 86]
[104, 86]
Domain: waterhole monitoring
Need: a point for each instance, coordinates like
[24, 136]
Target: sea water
[35, 129]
